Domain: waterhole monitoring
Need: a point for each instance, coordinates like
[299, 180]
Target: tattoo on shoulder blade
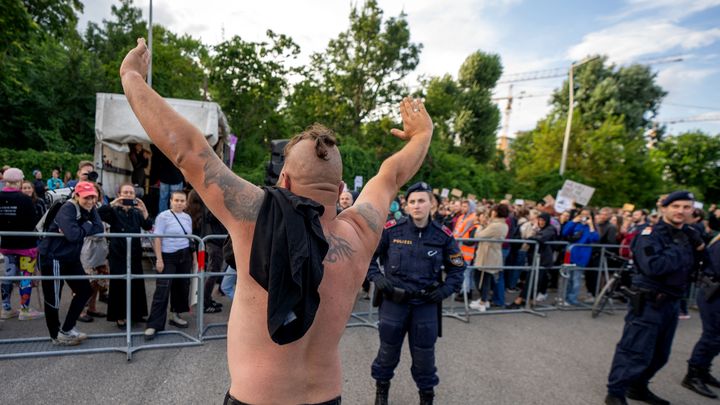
[339, 249]
[239, 201]
[370, 215]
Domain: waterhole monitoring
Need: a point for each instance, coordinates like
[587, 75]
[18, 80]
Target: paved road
[496, 359]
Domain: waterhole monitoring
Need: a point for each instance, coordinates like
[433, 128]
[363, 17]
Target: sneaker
[176, 321]
[9, 313]
[27, 314]
[150, 333]
[540, 297]
[218, 304]
[684, 317]
[589, 300]
[478, 305]
[66, 339]
[76, 333]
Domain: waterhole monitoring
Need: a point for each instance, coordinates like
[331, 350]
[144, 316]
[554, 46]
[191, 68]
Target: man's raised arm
[371, 208]
[228, 196]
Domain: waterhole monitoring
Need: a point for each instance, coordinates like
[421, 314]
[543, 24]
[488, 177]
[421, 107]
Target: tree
[248, 80]
[442, 96]
[478, 119]
[692, 160]
[603, 91]
[360, 72]
[604, 158]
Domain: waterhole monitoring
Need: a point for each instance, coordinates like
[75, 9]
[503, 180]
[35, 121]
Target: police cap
[677, 196]
[419, 186]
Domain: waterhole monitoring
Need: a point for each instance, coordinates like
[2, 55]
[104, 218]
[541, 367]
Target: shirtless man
[308, 370]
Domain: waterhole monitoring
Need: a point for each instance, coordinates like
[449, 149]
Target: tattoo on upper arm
[339, 249]
[370, 215]
[240, 201]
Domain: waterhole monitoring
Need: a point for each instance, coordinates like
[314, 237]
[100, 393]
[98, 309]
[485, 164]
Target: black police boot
[708, 379]
[613, 400]
[382, 388]
[693, 381]
[426, 397]
[643, 394]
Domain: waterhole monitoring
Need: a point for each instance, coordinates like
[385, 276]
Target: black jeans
[214, 265]
[229, 400]
[174, 289]
[52, 289]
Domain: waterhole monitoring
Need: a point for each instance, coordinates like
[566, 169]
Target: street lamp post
[150, 30]
[571, 105]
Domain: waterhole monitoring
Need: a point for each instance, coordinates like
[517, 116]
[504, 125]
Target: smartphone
[129, 202]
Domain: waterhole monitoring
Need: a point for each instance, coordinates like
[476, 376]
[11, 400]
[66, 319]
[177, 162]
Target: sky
[529, 35]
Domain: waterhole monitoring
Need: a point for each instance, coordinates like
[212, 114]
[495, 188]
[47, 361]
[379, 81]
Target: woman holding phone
[126, 214]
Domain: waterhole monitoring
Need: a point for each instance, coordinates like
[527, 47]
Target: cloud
[666, 9]
[629, 40]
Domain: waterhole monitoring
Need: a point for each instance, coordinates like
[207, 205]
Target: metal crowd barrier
[532, 280]
[133, 341]
[130, 342]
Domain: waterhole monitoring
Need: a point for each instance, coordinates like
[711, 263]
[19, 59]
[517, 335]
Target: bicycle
[612, 288]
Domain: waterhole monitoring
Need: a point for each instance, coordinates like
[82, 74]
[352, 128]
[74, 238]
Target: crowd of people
[83, 249]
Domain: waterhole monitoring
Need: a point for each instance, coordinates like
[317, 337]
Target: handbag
[193, 243]
[94, 252]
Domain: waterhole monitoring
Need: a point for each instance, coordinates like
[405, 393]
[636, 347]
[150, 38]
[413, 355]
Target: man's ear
[286, 181]
[341, 187]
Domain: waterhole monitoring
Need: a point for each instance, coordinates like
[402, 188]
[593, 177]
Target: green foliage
[606, 158]
[692, 160]
[47, 97]
[441, 102]
[478, 119]
[360, 71]
[248, 79]
[29, 160]
[603, 91]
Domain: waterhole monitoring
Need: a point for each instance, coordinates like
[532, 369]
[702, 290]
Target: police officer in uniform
[664, 256]
[412, 252]
[707, 348]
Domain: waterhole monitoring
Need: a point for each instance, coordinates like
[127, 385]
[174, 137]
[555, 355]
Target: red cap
[85, 188]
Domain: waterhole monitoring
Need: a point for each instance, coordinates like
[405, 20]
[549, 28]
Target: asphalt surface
[562, 358]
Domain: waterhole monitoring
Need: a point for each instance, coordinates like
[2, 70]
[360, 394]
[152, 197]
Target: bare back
[309, 369]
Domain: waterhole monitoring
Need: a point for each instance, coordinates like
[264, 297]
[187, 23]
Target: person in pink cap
[76, 219]
[17, 213]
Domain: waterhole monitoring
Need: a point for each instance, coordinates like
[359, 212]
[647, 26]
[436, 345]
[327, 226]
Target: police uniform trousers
[420, 323]
[709, 344]
[644, 347]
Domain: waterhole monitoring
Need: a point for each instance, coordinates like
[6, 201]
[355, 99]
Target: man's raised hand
[137, 60]
[416, 120]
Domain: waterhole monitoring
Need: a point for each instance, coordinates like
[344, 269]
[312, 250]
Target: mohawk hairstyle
[323, 136]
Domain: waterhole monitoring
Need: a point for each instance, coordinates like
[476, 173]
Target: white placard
[578, 192]
[358, 182]
[698, 204]
[563, 204]
[519, 202]
[444, 193]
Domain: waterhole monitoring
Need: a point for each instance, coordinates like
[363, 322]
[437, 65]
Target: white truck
[116, 127]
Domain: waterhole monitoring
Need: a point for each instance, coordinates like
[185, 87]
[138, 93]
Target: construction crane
[652, 133]
[548, 74]
[504, 135]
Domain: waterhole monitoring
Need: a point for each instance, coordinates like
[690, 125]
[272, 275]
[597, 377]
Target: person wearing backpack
[76, 219]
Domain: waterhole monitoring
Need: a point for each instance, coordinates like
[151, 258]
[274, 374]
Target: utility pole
[150, 30]
[571, 106]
